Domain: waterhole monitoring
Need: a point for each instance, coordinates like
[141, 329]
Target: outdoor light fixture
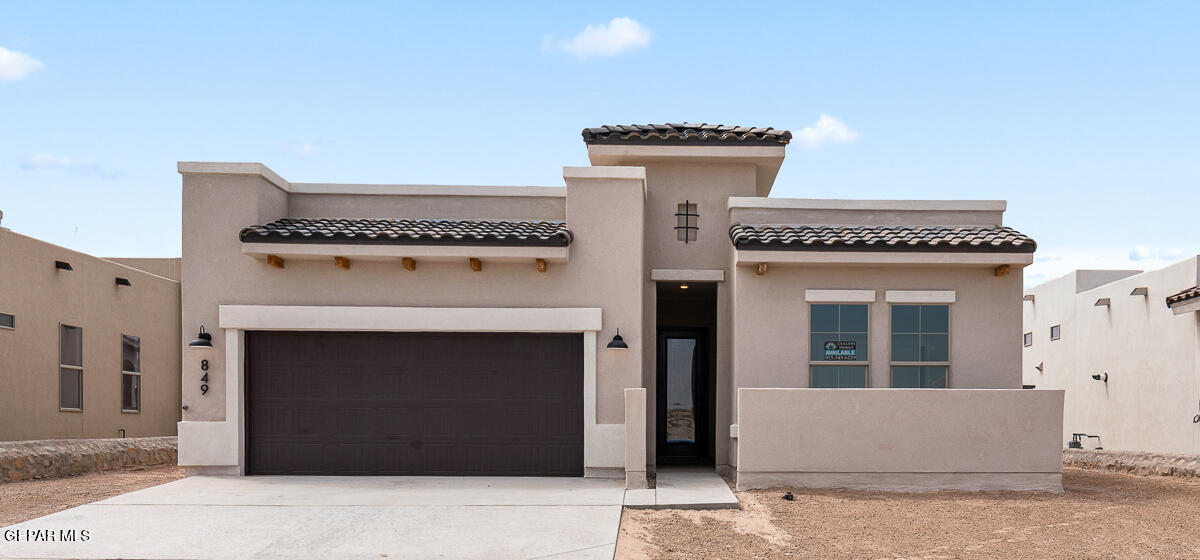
[63, 265]
[683, 286]
[618, 342]
[202, 340]
[123, 282]
[1100, 376]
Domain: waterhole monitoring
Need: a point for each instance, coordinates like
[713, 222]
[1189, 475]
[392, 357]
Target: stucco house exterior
[657, 308]
[88, 346]
[1125, 346]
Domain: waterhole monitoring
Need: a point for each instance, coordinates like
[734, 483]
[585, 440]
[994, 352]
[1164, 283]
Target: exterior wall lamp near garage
[202, 340]
[618, 342]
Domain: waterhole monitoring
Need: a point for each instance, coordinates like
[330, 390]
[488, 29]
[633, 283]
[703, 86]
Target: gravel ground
[1101, 515]
[25, 500]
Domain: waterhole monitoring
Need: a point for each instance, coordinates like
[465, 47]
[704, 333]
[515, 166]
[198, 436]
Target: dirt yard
[25, 500]
[1101, 515]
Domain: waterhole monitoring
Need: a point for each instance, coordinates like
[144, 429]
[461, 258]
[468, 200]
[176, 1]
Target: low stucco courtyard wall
[900, 439]
[50, 458]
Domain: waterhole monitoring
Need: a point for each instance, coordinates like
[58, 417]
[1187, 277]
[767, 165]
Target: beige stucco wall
[900, 438]
[1151, 356]
[41, 298]
[605, 271]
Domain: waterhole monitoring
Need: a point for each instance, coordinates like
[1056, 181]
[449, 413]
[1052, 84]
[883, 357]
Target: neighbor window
[838, 355]
[686, 222]
[920, 346]
[7, 321]
[1056, 332]
[1027, 339]
[70, 367]
[131, 373]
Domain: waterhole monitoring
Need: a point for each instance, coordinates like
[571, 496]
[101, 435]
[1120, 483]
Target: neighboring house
[1125, 345]
[88, 346]
[657, 309]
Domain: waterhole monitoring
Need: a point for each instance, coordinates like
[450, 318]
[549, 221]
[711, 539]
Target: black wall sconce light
[63, 265]
[1100, 376]
[618, 342]
[124, 282]
[202, 340]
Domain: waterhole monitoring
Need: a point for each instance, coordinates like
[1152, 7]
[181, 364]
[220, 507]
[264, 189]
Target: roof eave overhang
[766, 159]
[751, 257]
[396, 252]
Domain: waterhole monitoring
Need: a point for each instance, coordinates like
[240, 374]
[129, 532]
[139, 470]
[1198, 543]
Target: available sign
[841, 350]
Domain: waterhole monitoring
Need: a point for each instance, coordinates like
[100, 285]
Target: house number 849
[204, 380]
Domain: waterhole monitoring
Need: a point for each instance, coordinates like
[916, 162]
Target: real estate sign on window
[841, 350]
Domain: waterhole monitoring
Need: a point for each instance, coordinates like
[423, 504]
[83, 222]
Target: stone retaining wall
[50, 458]
[1132, 462]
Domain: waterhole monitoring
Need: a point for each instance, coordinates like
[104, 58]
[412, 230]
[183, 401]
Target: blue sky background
[1083, 115]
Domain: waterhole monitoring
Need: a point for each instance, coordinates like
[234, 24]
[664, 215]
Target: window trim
[864, 363]
[1027, 339]
[62, 366]
[14, 322]
[124, 372]
[1059, 327]
[892, 364]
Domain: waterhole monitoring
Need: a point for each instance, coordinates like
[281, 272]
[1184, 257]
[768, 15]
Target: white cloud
[307, 150]
[606, 39]
[85, 168]
[16, 65]
[827, 130]
[1172, 254]
[1140, 253]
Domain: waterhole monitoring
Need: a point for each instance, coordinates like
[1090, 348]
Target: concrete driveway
[336, 517]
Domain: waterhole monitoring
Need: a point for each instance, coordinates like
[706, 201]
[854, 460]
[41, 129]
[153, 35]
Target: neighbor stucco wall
[605, 271]
[444, 207]
[41, 298]
[904, 439]
[1151, 356]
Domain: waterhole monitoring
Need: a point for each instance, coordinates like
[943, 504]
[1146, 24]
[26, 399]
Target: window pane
[905, 318]
[935, 348]
[70, 346]
[1055, 331]
[824, 377]
[70, 389]
[8, 321]
[131, 392]
[933, 377]
[853, 318]
[852, 377]
[860, 345]
[681, 410]
[935, 319]
[131, 350]
[824, 318]
[906, 377]
[906, 348]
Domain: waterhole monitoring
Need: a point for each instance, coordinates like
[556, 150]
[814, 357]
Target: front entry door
[682, 395]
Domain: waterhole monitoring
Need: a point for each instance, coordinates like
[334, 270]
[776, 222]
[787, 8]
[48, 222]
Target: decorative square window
[920, 346]
[838, 351]
[70, 368]
[131, 373]
[1027, 339]
[686, 222]
[7, 321]
[1056, 332]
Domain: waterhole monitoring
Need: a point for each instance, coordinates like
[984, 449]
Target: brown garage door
[414, 403]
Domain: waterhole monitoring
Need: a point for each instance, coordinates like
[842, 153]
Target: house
[1125, 346]
[658, 308]
[89, 347]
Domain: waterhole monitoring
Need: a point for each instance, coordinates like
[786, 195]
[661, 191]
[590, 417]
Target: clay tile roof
[1185, 295]
[410, 232]
[686, 133]
[986, 239]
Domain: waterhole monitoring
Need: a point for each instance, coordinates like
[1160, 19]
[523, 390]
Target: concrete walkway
[340, 517]
[684, 488]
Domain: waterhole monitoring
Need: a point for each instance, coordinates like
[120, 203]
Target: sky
[1082, 115]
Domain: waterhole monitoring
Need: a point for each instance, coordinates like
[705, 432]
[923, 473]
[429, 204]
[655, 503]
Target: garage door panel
[414, 403]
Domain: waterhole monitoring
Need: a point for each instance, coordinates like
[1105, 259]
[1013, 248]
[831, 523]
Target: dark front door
[414, 403]
[682, 395]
